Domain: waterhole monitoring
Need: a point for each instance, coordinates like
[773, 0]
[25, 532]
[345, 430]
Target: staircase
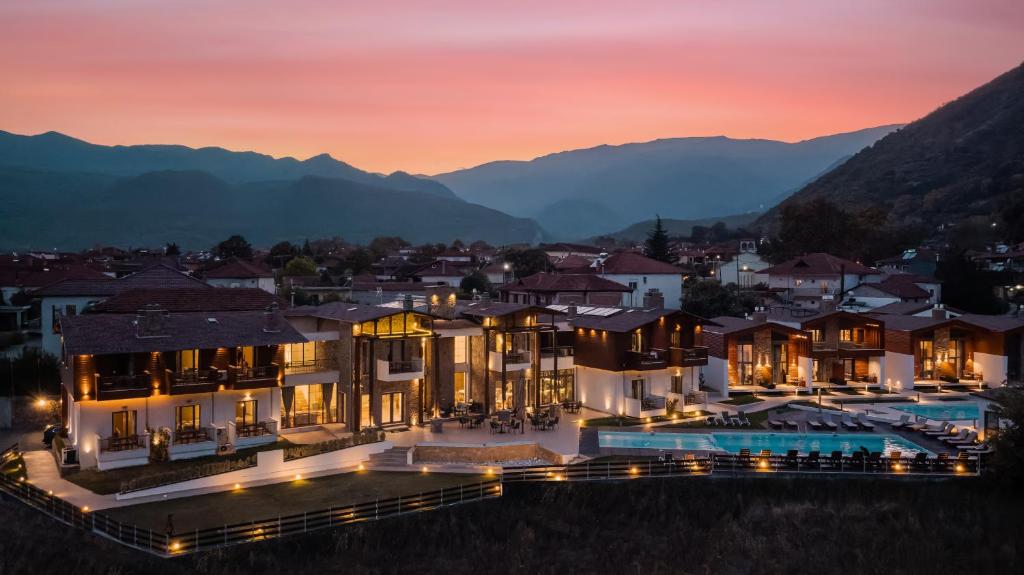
[394, 457]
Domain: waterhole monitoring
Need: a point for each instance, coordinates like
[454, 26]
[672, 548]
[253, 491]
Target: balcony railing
[641, 360]
[310, 366]
[517, 357]
[188, 436]
[199, 376]
[561, 351]
[687, 356]
[254, 373]
[257, 429]
[136, 382]
[126, 443]
[405, 366]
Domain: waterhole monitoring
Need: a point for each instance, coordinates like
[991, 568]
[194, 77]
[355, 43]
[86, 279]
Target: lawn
[745, 399]
[656, 527]
[14, 468]
[287, 498]
[107, 482]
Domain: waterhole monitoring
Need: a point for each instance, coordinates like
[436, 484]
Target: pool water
[778, 443]
[948, 411]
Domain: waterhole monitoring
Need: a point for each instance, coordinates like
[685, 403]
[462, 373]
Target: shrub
[186, 473]
[363, 437]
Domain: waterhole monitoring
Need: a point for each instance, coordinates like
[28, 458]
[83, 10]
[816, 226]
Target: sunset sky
[431, 86]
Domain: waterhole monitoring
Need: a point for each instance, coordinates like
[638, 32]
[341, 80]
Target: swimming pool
[779, 443]
[948, 411]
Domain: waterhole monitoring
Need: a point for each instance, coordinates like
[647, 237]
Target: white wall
[899, 371]
[52, 341]
[266, 284]
[93, 418]
[716, 375]
[607, 390]
[805, 370]
[992, 367]
[733, 271]
[670, 286]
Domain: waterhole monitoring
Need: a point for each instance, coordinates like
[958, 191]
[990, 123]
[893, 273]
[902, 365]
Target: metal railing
[405, 366]
[126, 443]
[309, 366]
[560, 351]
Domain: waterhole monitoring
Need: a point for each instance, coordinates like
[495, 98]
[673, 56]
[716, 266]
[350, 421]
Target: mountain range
[965, 159]
[587, 192]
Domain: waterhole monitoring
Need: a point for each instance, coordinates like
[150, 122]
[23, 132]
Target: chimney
[407, 303]
[760, 314]
[653, 298]
[938, 312]
[828, 303]
[150, 321]
[270, 324]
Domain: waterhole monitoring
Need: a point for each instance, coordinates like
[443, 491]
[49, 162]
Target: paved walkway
[43, 473]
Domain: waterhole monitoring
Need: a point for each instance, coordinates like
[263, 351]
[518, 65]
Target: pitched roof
[189, 299]
[898, 288]
[569, 247]
[572, 262]
[630, 319]
[634, 263]
[38, 276]
[158, 276]
[994, 323]
[729, 325]
[233, 268]
[108, 333]
[346, 312]
[818, 264]
[902, 308]
[545, 282]
[908, 323]
[445, 268]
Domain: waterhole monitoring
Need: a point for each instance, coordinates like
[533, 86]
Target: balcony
[561, 351]
[513, 360]
[116, 452]
[189, 443]
[123, 386]
[645, 360]
[399, 370]
[197, 380]
[253, 377]
[687, 356]
[310, 366]
[252, 434]
[564, 355]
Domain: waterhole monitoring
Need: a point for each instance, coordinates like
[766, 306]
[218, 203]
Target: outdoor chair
[815, 424]
[849, 423]
[831, 425]
[875, 460]
[744, 457]
[711, 421]
[813, 459]
[836, 459]
[742, 418]
[857, 461]
[495, 426]
[727, 419]
[960, 435]
[792, 424]
[775, 424]
[920, 461]
[903, 422]
[791, 458]
[971, 439]
[863, 422]
[920, 423]
[942, 462]
[946, 428]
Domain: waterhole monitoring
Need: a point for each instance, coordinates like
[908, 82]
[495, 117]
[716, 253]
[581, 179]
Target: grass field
[745, 399]
[671, 526]
[289, 498]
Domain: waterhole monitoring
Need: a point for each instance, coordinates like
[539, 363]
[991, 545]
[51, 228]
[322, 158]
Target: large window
[188, 360]
[556, 389]
[461, 389]
[926, 357]
[676, 384]
[124, 424]
[745, 363]
[391, 408]
[309, 406]
[636, 342]
[187, 418]
[245, 413]
[301, 354]
[637, 389]
[461, 353]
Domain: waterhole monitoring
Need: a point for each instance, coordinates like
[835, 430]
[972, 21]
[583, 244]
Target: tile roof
[993, 323]
[902, 308]
[818, 264]
[346, 312]
[38, 276]
[908, 322]
[156, 277]
[630, 319]
[546, 282]
[480, 308]
[634, 263]
[189, 299]
[232, 268]
[729, 325]
[898, 288]
[109, 333]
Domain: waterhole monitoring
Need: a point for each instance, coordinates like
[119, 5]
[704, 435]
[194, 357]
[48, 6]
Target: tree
[966, 287]
[172, 249]
[300, 266]
[656, 246]
[384, 245]
[235, 246]
[527, 262]
[1008, 459]
[711, 299]
[281, 253]
[358, 260]
[306, 250]
[475, 281]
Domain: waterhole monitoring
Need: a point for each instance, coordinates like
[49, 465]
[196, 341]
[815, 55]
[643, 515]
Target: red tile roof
[189, 299]
[34, 277]
[545, 282]
[159, 276]
[634, 263]
[818, 264]
[236, 268]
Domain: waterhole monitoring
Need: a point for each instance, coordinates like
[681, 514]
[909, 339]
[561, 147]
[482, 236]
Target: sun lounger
[895, 459]
[942, 461]
[946, 428]
[815, 424]
[831, 425]
[920, 424]
[744, 457]
[711, 421]
[775, 424]
[742, 418]
[792, 424]
[920, 461]
[903, 422]
[813, 459]
[849, 423]
[727, 419]
[875, 459]
[836, 459]
[958, 437]
[791, 458]
[971, 439]
[863, 422]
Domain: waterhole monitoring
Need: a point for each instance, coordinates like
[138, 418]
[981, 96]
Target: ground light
[85, 509]
[298, 477]
[634, 470]
[424, 469]
[175, 546]
[361, 467]
[238, 486]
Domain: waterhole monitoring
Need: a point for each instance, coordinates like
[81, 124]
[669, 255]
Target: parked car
[49, 432]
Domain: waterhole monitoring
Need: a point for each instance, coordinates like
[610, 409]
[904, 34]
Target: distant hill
[55, 152]
[638, 231]
[197, 209]
[683, 178]
[964, 159]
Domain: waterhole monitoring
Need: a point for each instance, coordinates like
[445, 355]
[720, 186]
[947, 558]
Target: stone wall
[480, 453]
